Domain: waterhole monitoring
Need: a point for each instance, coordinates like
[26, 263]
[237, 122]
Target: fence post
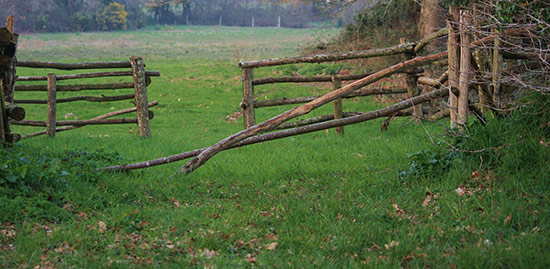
[496, 69]
[52, 93]
[412, 86]
[465, 61]
[248, 98]
[140, 88]
[338, 114]
[454, 60]
[3, 114]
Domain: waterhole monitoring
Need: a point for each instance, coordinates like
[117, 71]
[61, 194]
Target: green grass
[317, 200]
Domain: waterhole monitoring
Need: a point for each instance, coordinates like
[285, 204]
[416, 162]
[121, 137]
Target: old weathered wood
[101, 117]
[80, 98]
[304, 79]
[291, 132]
[138, 70]
[496, 69]
[75, 122]
[306, 108]
[247, 103]
[77, 87]
[429, 38]
[317, 119]
[434, 82]
[87, 75]
[15, 112]
[50, 122]
[441, 114]
[453, 48]
[412, 86]
[465, 65]
[74, 66]
[3, 115]
[10, 20]
[398, 49]
[338, 113]
[305, 99]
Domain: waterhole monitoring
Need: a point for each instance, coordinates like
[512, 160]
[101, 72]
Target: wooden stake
[454, 60]
[248, 98]
[3, 114]
[338, 113]
[465, 65]
[496, 69]
[50, 122]
[10, 20]
[412, 85]
[140, 86]
[306, 108]
[279, 22]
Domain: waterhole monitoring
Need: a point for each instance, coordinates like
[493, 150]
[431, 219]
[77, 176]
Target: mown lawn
[317, 200]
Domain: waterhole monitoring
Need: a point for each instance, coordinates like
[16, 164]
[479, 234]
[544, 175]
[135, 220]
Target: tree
[114, 17]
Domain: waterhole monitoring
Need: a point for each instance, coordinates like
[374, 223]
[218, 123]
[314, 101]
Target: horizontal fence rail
[79, 98]
[87, 75]
[140, 80]
[75, 87]
[74, 66]
[301, 100]
[321, 58]
[74, 122]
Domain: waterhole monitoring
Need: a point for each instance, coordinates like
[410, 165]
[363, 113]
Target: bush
[517, 145]
[37, 183]
[114, 17]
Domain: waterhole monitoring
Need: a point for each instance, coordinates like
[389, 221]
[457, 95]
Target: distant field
[171, 42]
[317, 200]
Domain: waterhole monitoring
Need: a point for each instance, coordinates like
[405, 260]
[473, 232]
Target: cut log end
[15, 112]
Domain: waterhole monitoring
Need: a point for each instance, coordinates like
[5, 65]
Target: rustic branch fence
[249, 103]
[141, 79]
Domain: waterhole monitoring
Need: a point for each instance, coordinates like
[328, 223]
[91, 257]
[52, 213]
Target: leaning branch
[306, 108]
[290, 132]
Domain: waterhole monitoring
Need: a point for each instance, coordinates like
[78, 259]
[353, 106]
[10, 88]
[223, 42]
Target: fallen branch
[306, 108]
[290, 132]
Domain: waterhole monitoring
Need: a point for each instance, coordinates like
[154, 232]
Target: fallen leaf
[250, 258]
[391, 244]
[102, 226]
[209, 253]
[271, 237]
[508, 219]
[176, 202]
[398, 210]
[272, 246]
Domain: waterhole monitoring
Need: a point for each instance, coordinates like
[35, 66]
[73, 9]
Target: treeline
[74, 15]
[105, 15]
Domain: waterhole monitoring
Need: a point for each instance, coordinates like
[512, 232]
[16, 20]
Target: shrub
[114, 17]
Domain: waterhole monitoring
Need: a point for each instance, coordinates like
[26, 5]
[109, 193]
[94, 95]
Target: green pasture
[316, 200]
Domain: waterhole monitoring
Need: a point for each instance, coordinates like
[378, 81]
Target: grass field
[317, 200]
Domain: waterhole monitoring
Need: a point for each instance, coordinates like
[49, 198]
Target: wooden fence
[141, 79]
[249, 102]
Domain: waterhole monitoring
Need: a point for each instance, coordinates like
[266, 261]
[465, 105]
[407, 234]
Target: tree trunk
[454, 59]
[432, 18]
